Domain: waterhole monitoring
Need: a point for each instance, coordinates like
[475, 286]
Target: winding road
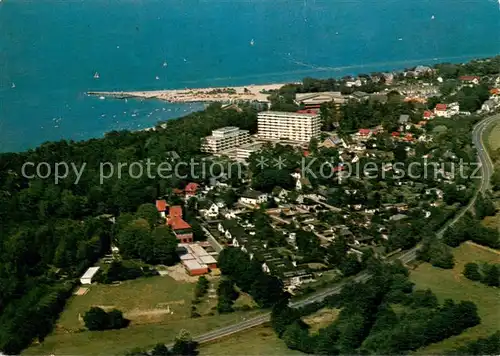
[486, 171]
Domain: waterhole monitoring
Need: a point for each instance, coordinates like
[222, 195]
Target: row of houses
[271, 260]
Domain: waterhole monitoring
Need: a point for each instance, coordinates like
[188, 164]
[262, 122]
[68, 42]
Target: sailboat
[165, 64]
[96, 75]
[13, 85]
[157, 78]
[252, 42]
[433, 17]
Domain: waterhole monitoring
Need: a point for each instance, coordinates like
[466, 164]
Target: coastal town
[315, 183]
[262, 178]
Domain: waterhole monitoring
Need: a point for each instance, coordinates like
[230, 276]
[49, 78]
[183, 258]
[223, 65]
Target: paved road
[487, 170]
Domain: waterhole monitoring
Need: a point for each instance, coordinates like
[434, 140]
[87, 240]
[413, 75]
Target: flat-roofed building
[196, 259]
[88, 275]
[243, 152]
[314, 100]
[300, 127]
[194, 268]
[224, 139]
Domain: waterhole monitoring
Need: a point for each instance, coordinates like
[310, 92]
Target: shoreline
[199, 95]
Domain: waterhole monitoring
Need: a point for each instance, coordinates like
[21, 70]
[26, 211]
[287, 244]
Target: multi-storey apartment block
[224, 138]
[301, 127]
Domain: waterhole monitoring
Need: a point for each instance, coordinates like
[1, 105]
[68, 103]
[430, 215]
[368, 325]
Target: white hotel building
[301, 127]
[224, 138]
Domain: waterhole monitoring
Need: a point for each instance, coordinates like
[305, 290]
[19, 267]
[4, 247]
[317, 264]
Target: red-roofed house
[162, 205]
[447, 110]
[395, 134]
[182, 230]
[178, 224]
[471, 79]
[364, 133]
[409, 137]
[175, 212]
[440, 110]
[191, 189]
[495, 92]
[428, 114]
[306, 153]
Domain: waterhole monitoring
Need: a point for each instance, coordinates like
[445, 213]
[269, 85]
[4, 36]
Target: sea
[51, 49]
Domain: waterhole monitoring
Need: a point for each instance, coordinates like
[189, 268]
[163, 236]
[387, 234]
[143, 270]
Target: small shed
[88, 275]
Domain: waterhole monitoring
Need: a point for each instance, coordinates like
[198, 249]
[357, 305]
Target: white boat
[400, 39]
[252, 42]
[433, 17]
[157, 78]
[102, 97]
[96, 75]
[13, 85]
[165, 64]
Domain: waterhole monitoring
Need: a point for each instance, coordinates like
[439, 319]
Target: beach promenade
[225, 94]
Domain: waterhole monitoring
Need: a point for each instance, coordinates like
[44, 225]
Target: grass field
[158, 307]
[452, 284]
[493, 142]
[257, 341]
[321, 319]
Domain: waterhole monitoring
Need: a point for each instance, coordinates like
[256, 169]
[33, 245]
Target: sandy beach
[223, 94]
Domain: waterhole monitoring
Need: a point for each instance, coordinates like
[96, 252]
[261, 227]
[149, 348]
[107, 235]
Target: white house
[279, 194]
[489, 105]
[88, 275]
[228, 214]
[212, 212]
[470, 79]
[453, 109]
[447, 110]
[253, 197]
[301, 183]
[265, 268]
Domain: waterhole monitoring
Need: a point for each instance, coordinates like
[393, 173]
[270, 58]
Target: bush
[122, 271]
[471, 271]
[97, 319]
[491, 275]
[201, 287]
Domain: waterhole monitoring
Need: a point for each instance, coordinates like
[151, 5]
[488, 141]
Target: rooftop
[177, 223]
[175, 211]
[161, 205]
[286, 114]
[250, 193]
[90, 272]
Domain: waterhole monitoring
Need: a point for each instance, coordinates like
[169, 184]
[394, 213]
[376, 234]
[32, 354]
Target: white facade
[448, 111]
[225, 138]
[88, 275]
[254, 200]
[212, 212]
[274, 125]
[243, 152]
